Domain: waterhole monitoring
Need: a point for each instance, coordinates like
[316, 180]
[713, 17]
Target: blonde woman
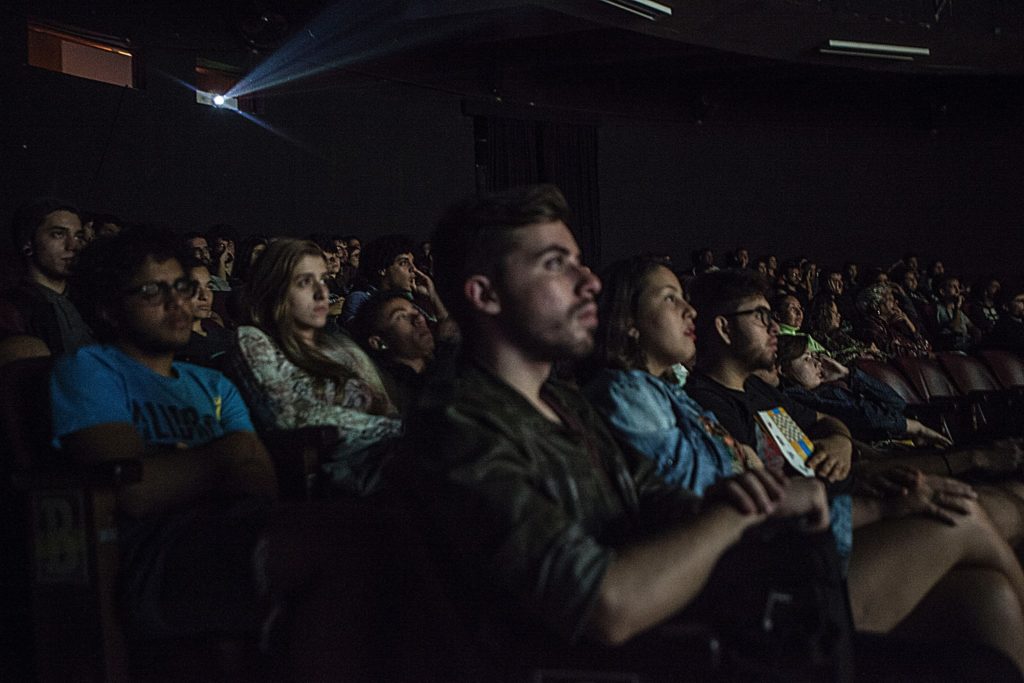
[294, 374]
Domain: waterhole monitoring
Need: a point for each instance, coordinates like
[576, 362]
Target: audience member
[983, 304]
[1008, 333]
[209, 341]
[249, 250]
[884, 324]
[355, 250]
[739, 258]
[951, 328]
[936, 271]
[703, 260]
[199, 246]
[791, 283]
[294, 374]
[532, 505]
[827, 324]
[396, 335]
[389, 265]
[736, 338]
[851, 274]
[869, 408]
[789, 314]
[36, 315]
[222, 239]
[910, 282]
[189, 528]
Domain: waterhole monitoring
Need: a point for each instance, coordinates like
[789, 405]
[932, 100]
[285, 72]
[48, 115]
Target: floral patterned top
[282, 395]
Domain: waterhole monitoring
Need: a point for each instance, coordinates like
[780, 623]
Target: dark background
[713, 149]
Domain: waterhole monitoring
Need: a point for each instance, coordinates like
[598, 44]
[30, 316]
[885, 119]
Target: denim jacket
[662, 422]
[659, 420]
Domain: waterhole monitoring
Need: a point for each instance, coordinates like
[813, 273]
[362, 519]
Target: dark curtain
[512, 152]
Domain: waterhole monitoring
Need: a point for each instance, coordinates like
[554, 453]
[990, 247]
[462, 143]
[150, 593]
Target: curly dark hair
[106, 267]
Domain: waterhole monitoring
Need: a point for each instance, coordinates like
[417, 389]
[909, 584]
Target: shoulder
[611, 388]
[252, 341]
[93, 357]
[705, 390]
[204, 376]
[251, 333]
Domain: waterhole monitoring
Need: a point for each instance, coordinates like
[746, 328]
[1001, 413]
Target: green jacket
[527, 512]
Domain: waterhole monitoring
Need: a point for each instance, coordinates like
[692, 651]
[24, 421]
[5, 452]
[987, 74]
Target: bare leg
[895, 563]
[1004, 503]
[972, 604]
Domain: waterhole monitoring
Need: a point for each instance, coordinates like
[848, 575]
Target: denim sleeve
[644, 414]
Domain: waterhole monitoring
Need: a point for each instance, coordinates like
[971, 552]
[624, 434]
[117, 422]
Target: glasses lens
[150, 291]
[185, 287]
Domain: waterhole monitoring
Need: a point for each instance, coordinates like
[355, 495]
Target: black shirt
[735, 409]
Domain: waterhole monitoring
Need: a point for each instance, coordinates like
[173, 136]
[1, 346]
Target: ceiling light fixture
[856, 48]
[648, 9]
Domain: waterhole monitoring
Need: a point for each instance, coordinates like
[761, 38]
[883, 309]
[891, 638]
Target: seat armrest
[116, 472]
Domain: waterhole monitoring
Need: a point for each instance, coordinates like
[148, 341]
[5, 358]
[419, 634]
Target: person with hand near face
[388, 264]
[295, 374]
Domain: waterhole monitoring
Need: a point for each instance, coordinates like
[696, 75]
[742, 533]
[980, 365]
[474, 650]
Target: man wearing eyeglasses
[188, 529]
[737, 336]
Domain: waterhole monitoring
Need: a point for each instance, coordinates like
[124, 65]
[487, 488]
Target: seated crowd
[586, 455]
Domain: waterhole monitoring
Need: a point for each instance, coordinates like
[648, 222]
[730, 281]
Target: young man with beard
[551, 531]
[36, 315]
[737, 338]
[188, 529]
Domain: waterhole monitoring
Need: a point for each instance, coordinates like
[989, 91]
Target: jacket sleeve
[283, 395]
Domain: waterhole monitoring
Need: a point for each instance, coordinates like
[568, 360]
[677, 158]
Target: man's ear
[482, 295]
[375, 342]
[722, 329]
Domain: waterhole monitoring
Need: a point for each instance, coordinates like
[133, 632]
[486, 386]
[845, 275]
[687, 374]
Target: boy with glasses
[188, 529]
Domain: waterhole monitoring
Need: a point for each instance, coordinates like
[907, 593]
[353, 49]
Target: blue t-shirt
[101, 385]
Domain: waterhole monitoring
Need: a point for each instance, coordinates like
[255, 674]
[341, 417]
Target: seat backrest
[968, 373]
[1007, 367]
[927, 377]
[25, 416]
[888, 374]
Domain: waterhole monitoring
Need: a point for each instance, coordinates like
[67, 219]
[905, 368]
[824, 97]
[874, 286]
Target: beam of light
[347, 33]
[280, 133]
[252, 119]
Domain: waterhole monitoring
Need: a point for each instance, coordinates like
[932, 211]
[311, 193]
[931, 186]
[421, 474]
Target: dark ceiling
[976, 37]
[555, 50]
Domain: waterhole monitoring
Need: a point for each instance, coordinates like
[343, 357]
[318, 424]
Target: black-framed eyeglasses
[763, 314]
[157, 292]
